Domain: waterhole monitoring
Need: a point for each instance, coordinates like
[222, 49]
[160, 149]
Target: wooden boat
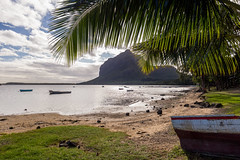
[25, 90]
[217, 135]
[59, 92]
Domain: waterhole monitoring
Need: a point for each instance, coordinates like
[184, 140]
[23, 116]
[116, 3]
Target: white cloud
[38, 65]
[18, 14]
[7, 52]
[9, 37]
[36, 44]
[31, 69]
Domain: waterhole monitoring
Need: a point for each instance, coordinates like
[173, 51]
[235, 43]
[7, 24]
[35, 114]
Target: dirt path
[145, 128]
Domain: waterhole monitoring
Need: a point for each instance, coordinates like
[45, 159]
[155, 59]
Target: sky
[24, 50]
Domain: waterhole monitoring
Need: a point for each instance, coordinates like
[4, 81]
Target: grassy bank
[229, 99]
[95, 143]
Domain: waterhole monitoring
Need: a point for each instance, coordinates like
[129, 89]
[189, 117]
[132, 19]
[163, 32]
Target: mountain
[124, 69]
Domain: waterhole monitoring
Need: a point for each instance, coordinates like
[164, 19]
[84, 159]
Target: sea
[84, 99]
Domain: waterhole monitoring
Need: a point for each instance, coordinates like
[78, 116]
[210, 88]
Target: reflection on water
[82, 100]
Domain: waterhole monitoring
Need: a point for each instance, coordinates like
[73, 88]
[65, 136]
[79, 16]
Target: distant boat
[59, 92]
[217, 135]
[120, 88]
[130, 90]
[25, 90]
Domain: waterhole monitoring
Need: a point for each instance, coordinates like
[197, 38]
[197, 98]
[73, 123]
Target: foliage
[80, 25]
[95, 143]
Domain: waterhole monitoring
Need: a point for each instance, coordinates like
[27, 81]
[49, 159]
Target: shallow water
[83, 99]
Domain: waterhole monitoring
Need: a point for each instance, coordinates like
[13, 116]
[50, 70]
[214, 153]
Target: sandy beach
[145, 128]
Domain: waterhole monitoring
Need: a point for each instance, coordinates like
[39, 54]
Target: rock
[159, 112]
[192, 106]
[25, 109]
[63, 144]
[207, 105]
[38, 127]
[213, 105]
[98, 121]
[197, 102]
[148, 111]
[102, 126]
[202, 104]
[218, 105]
[162, 94]
[151, 97]
[186, 105]
[173, 106]
[11, 128]
[68, 144]
[3, 119]
[180, 104]
[127, 114]
[162, 99]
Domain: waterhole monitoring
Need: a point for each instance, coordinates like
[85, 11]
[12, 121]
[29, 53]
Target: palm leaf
[78, 26]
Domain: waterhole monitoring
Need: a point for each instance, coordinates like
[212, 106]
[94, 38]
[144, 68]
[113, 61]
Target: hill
[124, 69]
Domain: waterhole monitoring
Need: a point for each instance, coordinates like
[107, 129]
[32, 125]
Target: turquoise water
[83, 99]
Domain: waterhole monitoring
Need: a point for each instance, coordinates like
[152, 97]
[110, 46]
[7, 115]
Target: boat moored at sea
[59, 92]
[217, 135]
[26, 90]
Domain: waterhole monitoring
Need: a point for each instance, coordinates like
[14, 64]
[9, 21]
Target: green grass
[95, 143]
[230, 101]
[176, 152]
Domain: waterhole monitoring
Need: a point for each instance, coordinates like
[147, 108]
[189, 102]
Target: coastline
[149, 129]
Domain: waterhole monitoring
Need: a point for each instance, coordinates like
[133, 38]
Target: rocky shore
[149, 128]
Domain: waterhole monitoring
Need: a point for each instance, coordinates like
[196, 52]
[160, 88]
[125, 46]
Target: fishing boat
[216, 135]
[59, 92]
[26, 90]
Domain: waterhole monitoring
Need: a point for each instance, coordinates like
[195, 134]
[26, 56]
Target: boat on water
[216, 135]
[26, 90]
[59, 92]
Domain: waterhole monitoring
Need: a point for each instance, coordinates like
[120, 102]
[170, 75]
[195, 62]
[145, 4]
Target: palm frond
[78, 26]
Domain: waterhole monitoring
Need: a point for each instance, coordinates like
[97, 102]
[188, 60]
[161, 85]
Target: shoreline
[145, 128]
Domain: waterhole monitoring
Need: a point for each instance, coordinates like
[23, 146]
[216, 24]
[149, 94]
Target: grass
[178, 153]
[95, 143]
[230, 101]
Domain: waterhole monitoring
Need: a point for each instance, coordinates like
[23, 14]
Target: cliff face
[123, 69]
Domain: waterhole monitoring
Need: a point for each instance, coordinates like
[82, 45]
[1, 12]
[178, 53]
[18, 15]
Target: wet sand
[145, 128]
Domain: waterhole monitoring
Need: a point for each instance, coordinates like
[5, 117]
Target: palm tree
[199, 34]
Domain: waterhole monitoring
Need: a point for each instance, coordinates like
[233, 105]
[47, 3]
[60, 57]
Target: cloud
[9, 37]
[7, 52]
[31, 69]
[26, 43]
[36, 44]
[18, 14]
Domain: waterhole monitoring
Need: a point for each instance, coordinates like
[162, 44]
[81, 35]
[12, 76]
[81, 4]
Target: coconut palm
[182, 30]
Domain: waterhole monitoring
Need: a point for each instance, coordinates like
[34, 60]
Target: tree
[201, 35]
